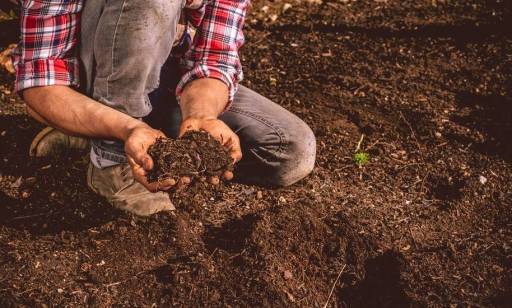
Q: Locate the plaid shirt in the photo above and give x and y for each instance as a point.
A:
(47, 52)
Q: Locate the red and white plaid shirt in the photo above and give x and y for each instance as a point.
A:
(47, 52)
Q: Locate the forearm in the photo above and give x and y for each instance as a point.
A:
(204, 98)
(74, 113)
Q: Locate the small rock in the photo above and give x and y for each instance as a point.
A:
(3, 133)
(291, 298)
(438, 134)
(273, 17)
(60, 290)
(259, 194)
(406, 248)
(282, 199)
(101, 263)
(287, 275)
(85, 267)
(248, 191)
(46, 167)
(482, 179)
(273, 81)
(286, 7)
(17, 183)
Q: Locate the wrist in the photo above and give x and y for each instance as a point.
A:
(130, 128)
(204, 98)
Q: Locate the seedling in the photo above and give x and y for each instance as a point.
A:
(361, 158)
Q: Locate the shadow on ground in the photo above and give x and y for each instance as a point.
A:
(491, 117)
(382, 285)
(44, 196)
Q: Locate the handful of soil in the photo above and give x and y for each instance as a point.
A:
(196, 154)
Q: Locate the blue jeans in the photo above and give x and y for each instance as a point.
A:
(125, 51)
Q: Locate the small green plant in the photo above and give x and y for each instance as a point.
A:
(361, 158)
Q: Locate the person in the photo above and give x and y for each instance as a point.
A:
(124, 72)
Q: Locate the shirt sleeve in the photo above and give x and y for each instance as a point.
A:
(46, 54)
(214, 52)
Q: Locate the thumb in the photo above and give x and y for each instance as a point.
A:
(143, 159)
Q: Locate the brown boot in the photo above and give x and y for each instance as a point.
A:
(117, 184)
(50, 142)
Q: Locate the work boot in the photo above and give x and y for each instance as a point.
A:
(117, 184)
(51, 141)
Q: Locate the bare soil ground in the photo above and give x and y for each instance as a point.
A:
(427, 222)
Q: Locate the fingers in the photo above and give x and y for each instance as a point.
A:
(233, 143)
(139, 174)
(214, 180)
(166, 184)
(227, 175)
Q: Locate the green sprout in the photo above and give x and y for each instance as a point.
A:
(361, 158)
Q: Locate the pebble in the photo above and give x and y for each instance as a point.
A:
(17, 183)
(406, 248)
(259, 194)
(286, 7)
(287, 275)
(438, 134)
(482, 179)
(85, 267)
(282, 199)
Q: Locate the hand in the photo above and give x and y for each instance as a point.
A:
(220, 131)
(136, 147)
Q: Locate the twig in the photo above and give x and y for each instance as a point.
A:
(125, 280)
(29, 216)
(359, 143)
(334, 285)
(412, 130)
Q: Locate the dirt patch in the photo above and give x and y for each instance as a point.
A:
(253, 259)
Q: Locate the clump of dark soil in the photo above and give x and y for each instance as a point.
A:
(196, 154)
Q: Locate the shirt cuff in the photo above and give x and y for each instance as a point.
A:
(46, 72)
(205, 71)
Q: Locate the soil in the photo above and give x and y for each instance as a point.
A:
(426, 222)
(195, 155)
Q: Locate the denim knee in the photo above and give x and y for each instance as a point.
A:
(298, 157)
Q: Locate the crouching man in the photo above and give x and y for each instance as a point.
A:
(124, 72)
